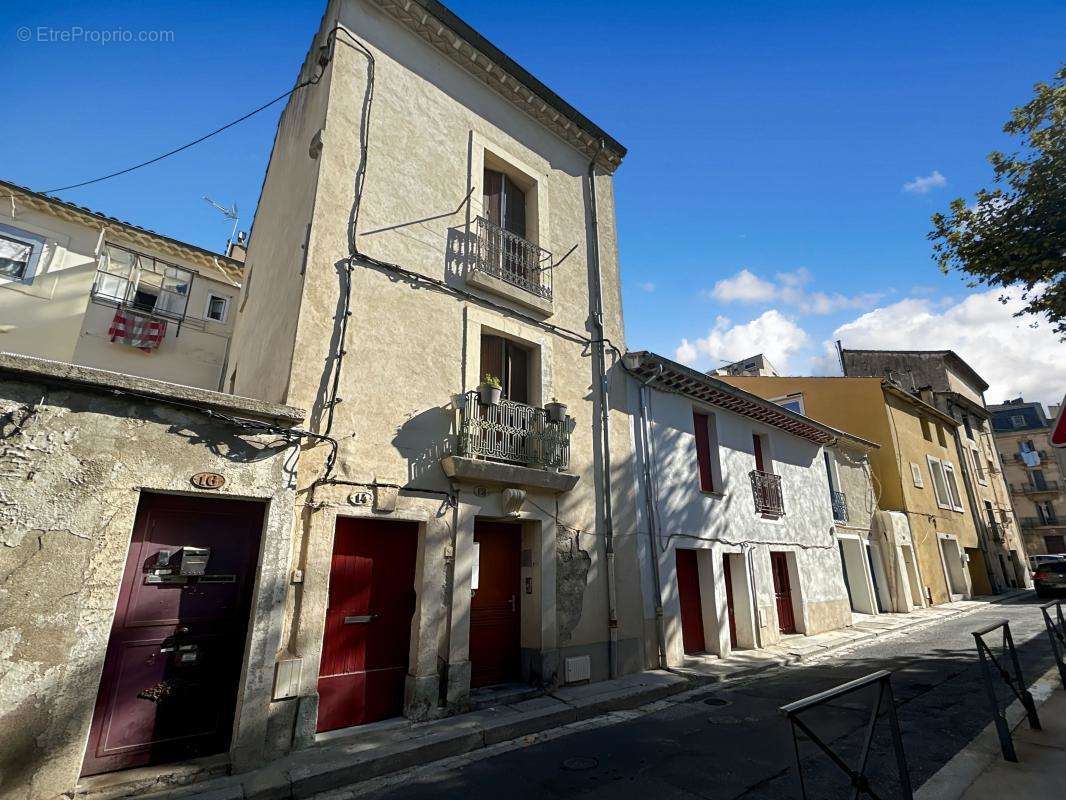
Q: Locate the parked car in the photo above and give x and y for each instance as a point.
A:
(1043, 558)
(1050, 578)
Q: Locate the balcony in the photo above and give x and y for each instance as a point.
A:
(1036, 487)
(840, 505)
(1041, 453)
(508, 265)
(1038, 522)
(766, 489)
(511, 444)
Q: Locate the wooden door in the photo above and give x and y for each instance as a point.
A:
(786, 620)
(495, 621)
(688, 593)
(729, 600)
(367, 641)
(172, 667)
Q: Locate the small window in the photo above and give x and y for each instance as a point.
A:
(926, 432)
(978, 468)
(793, 402)
(966, 425)
(916, 476)
(19, 254)
(217, 306)
(1018, 421)
(706, 433)
(940, 482)
(940, 436)
(953, 486)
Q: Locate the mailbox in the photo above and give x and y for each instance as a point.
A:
(190, 560)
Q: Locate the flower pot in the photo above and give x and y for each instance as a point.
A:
(556, 411)
(489, 394)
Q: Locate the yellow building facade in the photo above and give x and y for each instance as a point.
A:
(917, 470)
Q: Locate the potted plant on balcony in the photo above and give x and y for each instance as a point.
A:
(490, 390)
(556, 410)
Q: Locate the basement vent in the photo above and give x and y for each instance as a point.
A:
(577, 669)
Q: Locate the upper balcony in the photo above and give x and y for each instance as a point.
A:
(513, 444)
(1036, 487)
(509, 265)
(1038, 522)
(840, 505)
(766, 490)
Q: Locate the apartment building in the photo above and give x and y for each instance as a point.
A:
(1034, 471)
(945, 380)
(80, 287)
(755, 519)
(444, 298)
(917, 470)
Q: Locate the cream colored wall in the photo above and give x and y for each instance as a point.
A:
(54, 316)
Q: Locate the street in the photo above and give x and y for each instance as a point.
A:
(741, 748)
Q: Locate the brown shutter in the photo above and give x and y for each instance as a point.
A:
(493, 195)
(491, 357)
(701, 424)
(757, 444)
(517, 373)
(514, 208)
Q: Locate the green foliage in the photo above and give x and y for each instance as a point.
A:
(491, 380)
(1014, 235)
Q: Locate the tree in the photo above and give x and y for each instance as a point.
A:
(1015, 234)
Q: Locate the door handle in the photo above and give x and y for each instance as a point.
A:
(360, 619)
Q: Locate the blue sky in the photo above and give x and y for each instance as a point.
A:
(771, 138)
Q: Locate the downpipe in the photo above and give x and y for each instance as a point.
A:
(653, 521)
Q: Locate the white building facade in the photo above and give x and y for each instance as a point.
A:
(740, 543)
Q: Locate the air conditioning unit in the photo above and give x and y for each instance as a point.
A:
(577, 669)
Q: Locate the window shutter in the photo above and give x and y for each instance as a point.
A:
(491, 357)
(756, 441)
(493, 195)
(703, 450)
(517, 373)
(514, 210)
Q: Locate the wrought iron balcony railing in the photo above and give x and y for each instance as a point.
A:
(1037, 487)
(513, 433)
(512, 259)
(840, 505)
(1038, 522)
(766, 489)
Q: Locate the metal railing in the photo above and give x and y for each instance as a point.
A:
(766, 489)
(858, 775)
(514, 433)
(840, 505)
(1041, 453)
(1013, 679)
(1037, 522)
(1035, 488)
(512, 259)
(995, 531)
(1056, 631)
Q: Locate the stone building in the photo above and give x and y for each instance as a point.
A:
(433, 214)
(755, 519)
(916, 470)
(81, 287)
(942, 378)
(1034, 471)
(145, 544)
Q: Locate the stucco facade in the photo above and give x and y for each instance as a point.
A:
(913, 467)
(390, 380)
(78, 453)
(57, 306)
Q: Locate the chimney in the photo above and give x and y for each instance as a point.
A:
(239, 249)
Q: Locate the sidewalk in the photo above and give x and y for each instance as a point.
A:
(979, 771)
(380, 749)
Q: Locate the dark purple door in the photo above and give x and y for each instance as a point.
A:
(173, 662)
(366, 647)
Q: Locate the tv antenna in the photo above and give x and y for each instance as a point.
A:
(228, 213)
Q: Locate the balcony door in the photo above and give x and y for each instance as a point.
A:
(504, 203)
(509, 362)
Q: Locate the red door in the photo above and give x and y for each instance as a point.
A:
(729, 600)
(367, 642)
(173, 662)
(688, 592)
(495, 624)
(783, 593)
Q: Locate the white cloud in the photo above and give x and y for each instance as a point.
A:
(788, 288)
(925, 184)
(646, 286)
(1014, 357)
(771, 333)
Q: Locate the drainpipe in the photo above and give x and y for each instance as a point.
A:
(978, 517)
(653, 523)
(599, 357)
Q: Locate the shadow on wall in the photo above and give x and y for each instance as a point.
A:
(423, 440)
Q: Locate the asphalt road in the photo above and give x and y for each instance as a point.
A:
(742, 748)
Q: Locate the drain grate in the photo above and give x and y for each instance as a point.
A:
(716, 701)
(579, 763)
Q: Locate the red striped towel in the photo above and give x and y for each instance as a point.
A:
(136, 330)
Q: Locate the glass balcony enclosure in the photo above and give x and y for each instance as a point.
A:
(142, 283)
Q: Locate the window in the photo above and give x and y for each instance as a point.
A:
(940, 435)
(978, 468)
(940, 482)
(20, 253)
(1045, 511)
(509, 363)
(953, 486)
(217, 305)
(916, 476)
(1055, 544)
(926, 432)
(706, 432)
(142, 282)
(966, 425)
(1018, 421)
(793, 402)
